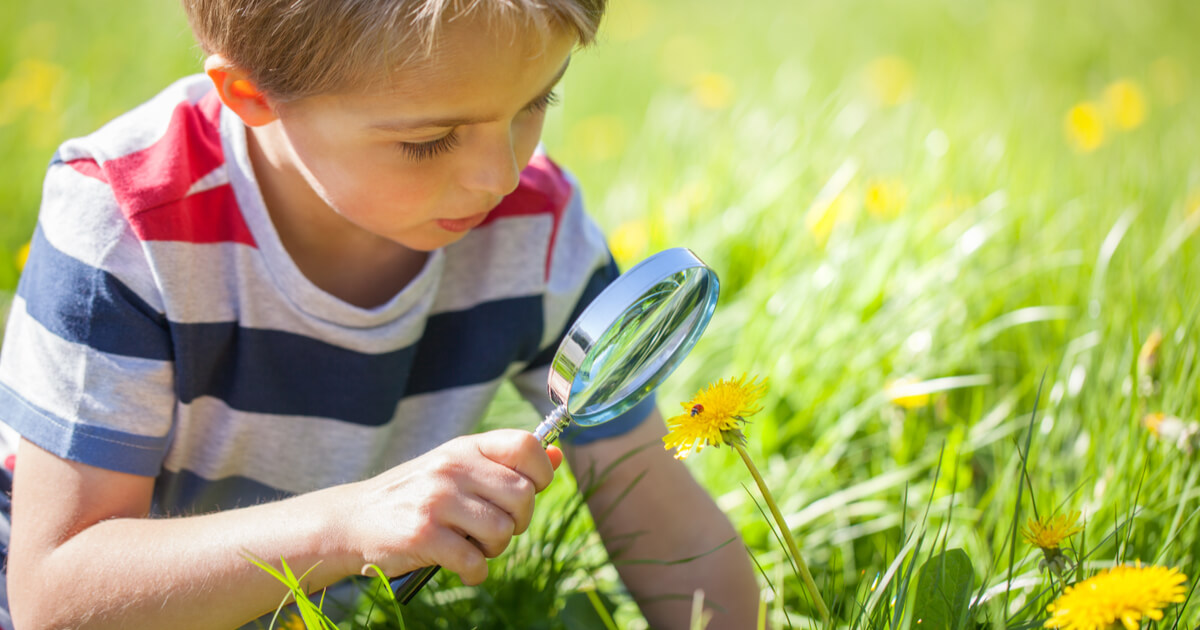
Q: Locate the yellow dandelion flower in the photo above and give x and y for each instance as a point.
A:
(886, 197)
(1148, 355)
(1121, 595)
(713, 90)
(890, 80)
(1050, 532)
(602, 137)
(906, 392)
(1126, 104)
(822, 219)
(292, 622)
(714, 416)
(1084, 127)
(629, 241)
(22, 257)
(1183, 434)
(1153, 422)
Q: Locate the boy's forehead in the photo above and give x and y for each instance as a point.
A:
(471, 75)
(473, 52)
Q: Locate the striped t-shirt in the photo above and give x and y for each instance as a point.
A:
(161, 329)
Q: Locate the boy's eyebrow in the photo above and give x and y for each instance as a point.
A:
(423, 123)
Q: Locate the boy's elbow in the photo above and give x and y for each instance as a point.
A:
(35, 602)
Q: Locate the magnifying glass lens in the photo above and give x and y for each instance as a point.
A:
(641, 348)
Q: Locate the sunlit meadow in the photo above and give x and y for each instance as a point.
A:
(958, 238)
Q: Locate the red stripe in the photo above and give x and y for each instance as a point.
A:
(210, 216)
(543, 189)
(151, 185)
(89, 167)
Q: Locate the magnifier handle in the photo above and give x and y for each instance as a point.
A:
(555, 422)
(406, 586)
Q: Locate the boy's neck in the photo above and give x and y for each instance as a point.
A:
(339, 257)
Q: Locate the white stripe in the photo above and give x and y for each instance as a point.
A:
(496, 261)
(99, 237)
(219, 176)
(82, 385)
(226, 282)
(579, 250)
(303, 453)
(138, 128)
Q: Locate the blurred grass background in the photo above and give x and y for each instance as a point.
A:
(978, 200)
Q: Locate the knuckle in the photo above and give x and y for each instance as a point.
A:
(424, 532)
(472, 566)
(524, 486)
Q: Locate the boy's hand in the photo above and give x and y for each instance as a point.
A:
(455, 506)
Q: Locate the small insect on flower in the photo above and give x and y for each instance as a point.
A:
(714, 416)
(1121, 595)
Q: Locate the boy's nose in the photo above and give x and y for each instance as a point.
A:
(495, 170)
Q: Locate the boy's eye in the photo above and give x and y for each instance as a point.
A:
(543, 103)
(418, 151)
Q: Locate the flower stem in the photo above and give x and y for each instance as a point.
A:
(786, 533)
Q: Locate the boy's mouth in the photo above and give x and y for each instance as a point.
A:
(464, 224)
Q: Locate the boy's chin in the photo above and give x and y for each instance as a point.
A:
(431, 240)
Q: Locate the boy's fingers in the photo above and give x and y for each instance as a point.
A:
(556, 456)
(520, 451)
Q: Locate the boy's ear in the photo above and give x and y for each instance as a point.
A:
(238, 92)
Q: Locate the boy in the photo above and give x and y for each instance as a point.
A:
(259, 308)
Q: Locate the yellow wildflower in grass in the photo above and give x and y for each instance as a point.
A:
(905, 392)
(1125, 103)
(33, 84)
(822, 219)
(600, 138)
(22, 257)
(886, 198)
(713, 90)
(890, 80)
(629, 241)
(1050, 532)
(1121, 595)
(1173, 430)
(1084, 127)
(291, 621)
(1047, 534)
(714, 416)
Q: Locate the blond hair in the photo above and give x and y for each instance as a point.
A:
(297, 48)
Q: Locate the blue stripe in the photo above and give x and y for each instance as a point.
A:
(92, 445)
(576, 435)
(601, 278)
(173, 491)
(89, 306)
(276, 372)
(283, 373)
(476, 345)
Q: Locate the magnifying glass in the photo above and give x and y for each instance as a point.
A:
(623, 346)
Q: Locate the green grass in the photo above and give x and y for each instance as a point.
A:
(1015, 262)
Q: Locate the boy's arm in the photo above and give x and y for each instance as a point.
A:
(83, 553)
(671, 517)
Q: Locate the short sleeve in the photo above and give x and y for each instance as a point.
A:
(581, 268)
(86, 363)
